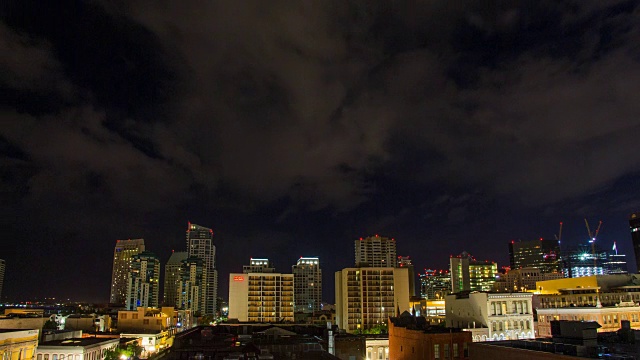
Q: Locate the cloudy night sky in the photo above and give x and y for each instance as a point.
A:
(293, 128)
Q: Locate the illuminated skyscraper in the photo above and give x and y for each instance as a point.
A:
(469, 274)
(122, 255)
(143, 281)
(375, 251)
(2, 266)
(541, 254)
(200, 245)
(172, 278)
(634, 227)
(307, 282)
(190, 288)
(435, 284)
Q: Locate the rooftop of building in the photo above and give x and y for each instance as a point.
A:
(77, 342)
(3, 331)
(466, 294)
(408, 321)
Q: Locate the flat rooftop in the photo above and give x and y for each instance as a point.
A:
(77, 342)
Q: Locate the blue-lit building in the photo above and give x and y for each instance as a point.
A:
(583, 260)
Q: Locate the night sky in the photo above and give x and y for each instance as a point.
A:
(294, 127)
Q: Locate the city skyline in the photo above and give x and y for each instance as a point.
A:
(294, 129)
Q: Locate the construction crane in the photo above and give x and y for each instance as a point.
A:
(592, 239)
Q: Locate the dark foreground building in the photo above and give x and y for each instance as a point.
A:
(411, 337)
(250, 341)
(634, 227)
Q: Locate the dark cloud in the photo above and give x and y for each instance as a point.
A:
(278, 119)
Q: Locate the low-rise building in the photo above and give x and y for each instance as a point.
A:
(145, 320)
(377, 346)
(432, 310)
(22, 322)
(75, 349)
(504, 315)
(606, 299)
(410, 337)
(151, 342)
(18, 344)
(82, 322)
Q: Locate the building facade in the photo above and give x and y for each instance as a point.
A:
(543, 254)
(200, 244)
(435, 284)
(172, 278)
(634, 228)
(607, 299)
(191, 285)
(433, 311)
(261, 297)
(143, 281)
(523, 279)
(75, 349)
(584, 260)
(411, 339)
(405, 261)
(469, 274)
(122, 256)
(506, 316)
(258, 266)
(367, 297)
(307, 284)
(2, 270)
(18, 344)
(146, 320)
(375, 251)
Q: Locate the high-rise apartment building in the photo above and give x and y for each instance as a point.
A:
(435, 284)
(2, 270)
(634, 227)
(172, 277)
(307, 284)
(366, 297)
(375, 251)
(469, 274)
(122, 255)
(200, 244)
(258, 266)
(191, 285)
(405, 262)
(143, 281)
(261, 297)
(543, 254)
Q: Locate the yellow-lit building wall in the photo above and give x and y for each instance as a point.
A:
(553, 286)
(18, 345)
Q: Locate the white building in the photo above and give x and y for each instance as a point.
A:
(505, 316)
(261, 297)
(368, 296)
(75, 349)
